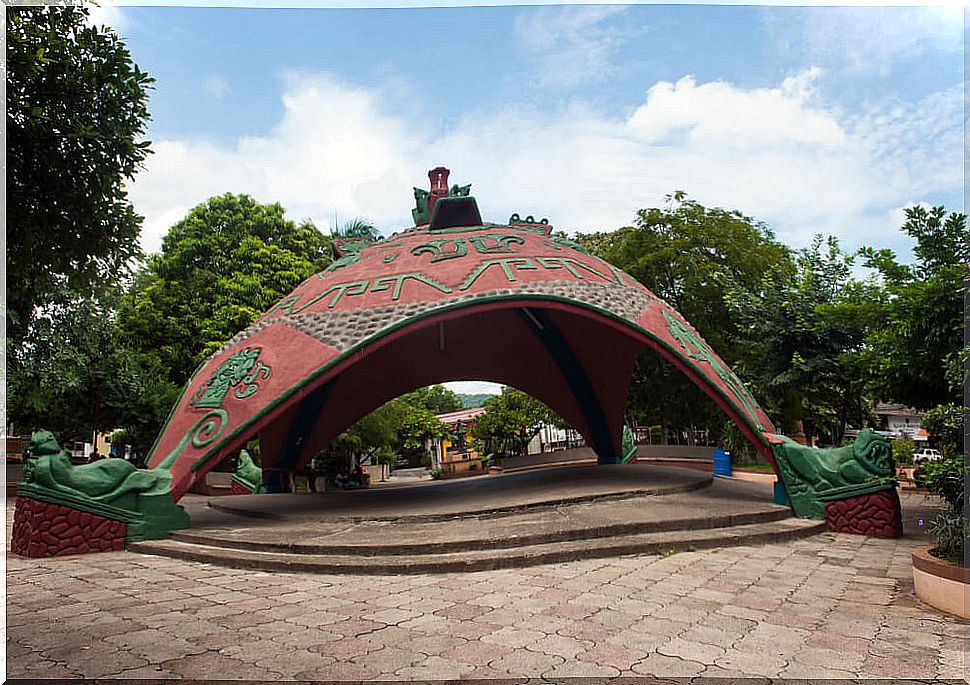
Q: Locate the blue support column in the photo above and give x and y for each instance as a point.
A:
(306, 418)
(557, 346)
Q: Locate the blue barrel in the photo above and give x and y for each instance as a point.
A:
(781, 494)
(722, 463)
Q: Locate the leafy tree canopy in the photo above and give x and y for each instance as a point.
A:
(437, 399)
(357, 228)
(72, 366)
(76, 114)
(228, 261)
(690, 255)
(510, 421)
(802, 339)
(916, 355)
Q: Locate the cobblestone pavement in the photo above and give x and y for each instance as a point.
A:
(831, 606)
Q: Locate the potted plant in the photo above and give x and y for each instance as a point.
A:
(940, 575)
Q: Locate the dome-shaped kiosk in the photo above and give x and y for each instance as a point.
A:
(452, 298)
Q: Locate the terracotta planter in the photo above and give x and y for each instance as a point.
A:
(941, 584)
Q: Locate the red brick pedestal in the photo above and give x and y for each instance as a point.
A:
(41, 529)
(877, 514)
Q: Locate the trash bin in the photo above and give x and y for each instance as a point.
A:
(781, 494)
(722, 463)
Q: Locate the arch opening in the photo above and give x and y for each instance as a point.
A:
(576, 361)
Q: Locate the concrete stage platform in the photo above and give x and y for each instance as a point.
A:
(487, 522)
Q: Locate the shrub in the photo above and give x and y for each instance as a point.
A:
(944, 423)
(949, 529)
(436, 473)
(903, 451)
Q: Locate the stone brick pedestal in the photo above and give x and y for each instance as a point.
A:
(877, 514)
(42, 529)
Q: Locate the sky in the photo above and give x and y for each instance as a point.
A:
(810, 119)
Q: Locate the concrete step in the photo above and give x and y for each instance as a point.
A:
(488, 537)
(442, 508)
(486, 559)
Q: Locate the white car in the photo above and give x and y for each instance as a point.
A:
(925, 454)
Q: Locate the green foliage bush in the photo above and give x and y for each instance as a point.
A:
(949, 529)
(436, 473)
(945, 423)
(903, 451)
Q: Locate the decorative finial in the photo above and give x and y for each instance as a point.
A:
(439, 186)
(425, 201)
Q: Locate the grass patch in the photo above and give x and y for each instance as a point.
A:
(755, 467)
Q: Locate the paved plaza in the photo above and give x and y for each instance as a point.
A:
(830, 606)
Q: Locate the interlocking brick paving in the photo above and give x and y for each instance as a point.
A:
(830, 606)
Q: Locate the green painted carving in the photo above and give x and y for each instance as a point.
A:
(555, 241)
(573, 266)
(516, 219)
(247, 474)
(420, 212)
(340, 263)
(460, 191)
(113, 488)
(203, 433)
(284, 306)
(437, 249)
(338, 290)
(385, 283)
(240, 368)
(814, 476)
(507, 264)
(351, 246)
(629, 448)
(503, 243)
(695, 348)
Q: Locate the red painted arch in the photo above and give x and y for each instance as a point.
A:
(427, 306)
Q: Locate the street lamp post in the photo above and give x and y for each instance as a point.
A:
(98, 376)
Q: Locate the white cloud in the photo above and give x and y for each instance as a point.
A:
(107, 13)
(861, 41)
(570, 45)
(216, 86)
(773, 153)
(474, 387)
(761, 118)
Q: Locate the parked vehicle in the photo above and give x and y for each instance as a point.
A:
(924, 454)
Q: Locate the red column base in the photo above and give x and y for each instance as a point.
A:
(41, 529)
(877, 514)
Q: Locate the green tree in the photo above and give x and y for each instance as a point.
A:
(510, 421)
(220, 268)
(72, 366)
(76, 116)
(803, 338)
(916, 354)
(357, 228)
(689, 255)
(373, 437)
(418, 425)
(944, 423)
(437, 399)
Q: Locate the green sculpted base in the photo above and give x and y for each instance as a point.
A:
(112, 488)
(814, 476)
